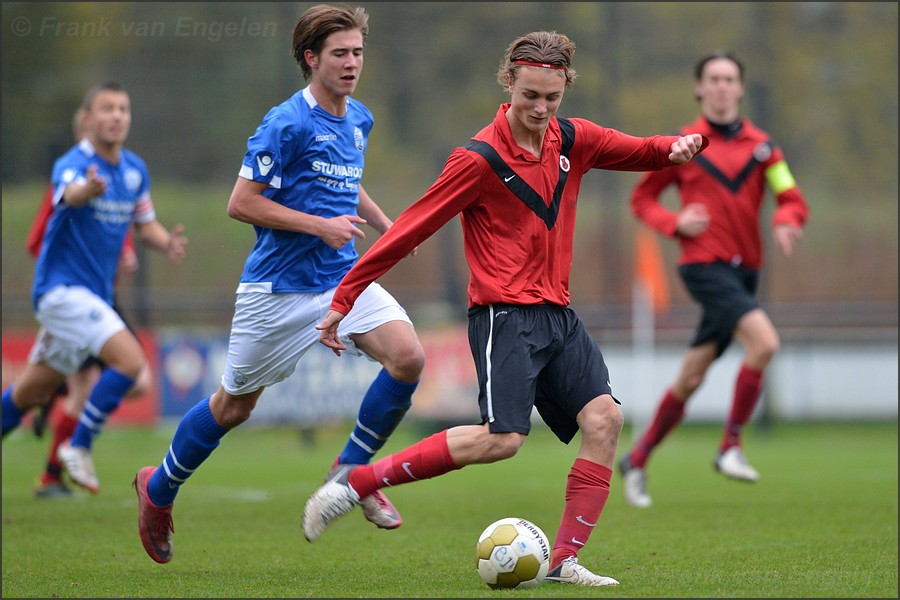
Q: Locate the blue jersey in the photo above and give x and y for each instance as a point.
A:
(312, 162)
(82, 244)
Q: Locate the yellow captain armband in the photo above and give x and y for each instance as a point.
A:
(779, 177)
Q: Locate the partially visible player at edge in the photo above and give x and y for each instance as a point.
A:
(718, 229)
(515, 187)
(300, 186)
(100, 189)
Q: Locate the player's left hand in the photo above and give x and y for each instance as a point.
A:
(328, 334)
(787, 236)
(687, 147)
(177, 241)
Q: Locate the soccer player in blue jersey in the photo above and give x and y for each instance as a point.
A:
(299, 186)
(100, 189)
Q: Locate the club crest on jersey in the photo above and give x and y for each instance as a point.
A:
(133, 180)
(358, 138)
(762, 152)
(564, 163)
(264, 162)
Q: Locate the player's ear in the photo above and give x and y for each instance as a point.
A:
(311, 59)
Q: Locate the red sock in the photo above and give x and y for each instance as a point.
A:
(65, 427)
(668, 416)
(423, 460)
(587, 489)
(746, 394)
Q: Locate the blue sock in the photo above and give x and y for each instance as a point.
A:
(382, 409)
(197, 436)
(12, 416)
(105, 398)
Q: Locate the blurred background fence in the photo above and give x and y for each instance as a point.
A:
(821, 78)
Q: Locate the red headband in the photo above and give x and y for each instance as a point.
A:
(537, 64)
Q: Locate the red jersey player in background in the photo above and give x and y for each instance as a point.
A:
(718, 228)
(515, 187)
(78, 386)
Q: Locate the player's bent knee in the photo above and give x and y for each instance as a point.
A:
(603, 418)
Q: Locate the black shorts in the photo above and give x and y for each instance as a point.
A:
(726, 294)
(534, 356)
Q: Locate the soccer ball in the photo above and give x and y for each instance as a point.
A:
(512, 553)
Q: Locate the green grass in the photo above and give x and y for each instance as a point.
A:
(821, 522)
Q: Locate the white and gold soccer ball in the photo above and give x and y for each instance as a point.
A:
(512, 553)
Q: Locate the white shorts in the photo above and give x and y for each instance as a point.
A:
(75, 324)
(270, 333)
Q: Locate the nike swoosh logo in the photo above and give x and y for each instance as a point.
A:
(163, 553)
(385, 480)
(576, 541)
(508, 179)
(408, 472)
(583, 522)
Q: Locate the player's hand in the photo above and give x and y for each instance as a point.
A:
(95, 185)
(78, 194)
(786, 236)
(692, 220)
(328, 332)
(337, 231)
(175, 251)
(687, 147)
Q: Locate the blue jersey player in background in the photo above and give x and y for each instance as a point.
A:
(100, 189)
(299, 186)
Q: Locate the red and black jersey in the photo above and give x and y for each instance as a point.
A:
(730, 178)
(518, 221)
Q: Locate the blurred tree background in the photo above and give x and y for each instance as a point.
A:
(821, 78)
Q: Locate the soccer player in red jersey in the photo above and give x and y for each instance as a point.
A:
(718, 228)
(515, 187)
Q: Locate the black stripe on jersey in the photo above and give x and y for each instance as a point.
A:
(519, 187)
(732, 184)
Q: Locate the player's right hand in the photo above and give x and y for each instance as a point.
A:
(693, 220)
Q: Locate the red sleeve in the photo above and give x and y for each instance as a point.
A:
(617, 151)
(792, 208)
(36, 234)
(645, 203)
(456, 187)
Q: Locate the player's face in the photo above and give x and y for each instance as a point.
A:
(108, 119)
(720, 88)
(535, 96)
(338, 66)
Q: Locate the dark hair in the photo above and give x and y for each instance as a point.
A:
(320, 21)
(106, 86)
(701, 64)
(543, 47)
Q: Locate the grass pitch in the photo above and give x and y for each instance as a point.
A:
(821, 522)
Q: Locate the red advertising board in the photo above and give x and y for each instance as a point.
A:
(143, 410)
